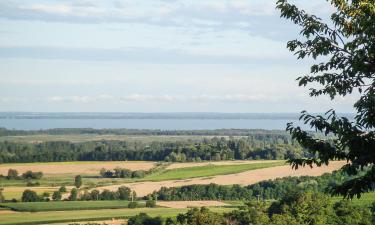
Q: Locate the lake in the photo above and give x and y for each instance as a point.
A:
(163, 124)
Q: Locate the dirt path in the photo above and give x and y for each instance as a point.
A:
(244, 178)
(187, 204)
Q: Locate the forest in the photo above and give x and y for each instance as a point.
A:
(256, 146)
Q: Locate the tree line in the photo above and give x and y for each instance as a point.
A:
(295, 208)
(215, 149)
(266, 190)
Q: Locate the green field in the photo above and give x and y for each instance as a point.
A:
(207, 171)
(88, 215)
(66, 205)
(366, 199)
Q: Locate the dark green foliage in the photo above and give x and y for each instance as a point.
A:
(56, 196)
(124, 193)
(30, 196)
(347, 213)
(32, 175)
(62, 189)
(144, 219)
(343, 50)
(73, 194)
(78, 181)
(270, 189)
(257, 146)
(151, 203)
(12, 174)
(2, 198)
(132, 205)
(202, 216)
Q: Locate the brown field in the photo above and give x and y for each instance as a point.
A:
(219, 163)
(89, 168)
(188, 204)
(244, 178)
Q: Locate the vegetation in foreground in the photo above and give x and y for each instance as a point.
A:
(296, 208)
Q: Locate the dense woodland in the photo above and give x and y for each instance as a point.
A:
(266, 190)
(255, 146)
(295, 208)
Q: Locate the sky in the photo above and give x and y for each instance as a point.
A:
(153, 56)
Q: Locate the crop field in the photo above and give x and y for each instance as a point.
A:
(74, 168)
(208, 171)
(88, 215)
(66, 205)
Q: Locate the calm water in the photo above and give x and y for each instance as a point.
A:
(163, 124)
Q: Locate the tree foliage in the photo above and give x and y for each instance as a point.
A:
(343, 51)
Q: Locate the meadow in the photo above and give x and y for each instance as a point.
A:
(66, 205)
(208, 171)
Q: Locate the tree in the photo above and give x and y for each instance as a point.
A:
(78, 181)
(12, 174)
(344, 64)
(62, 189)
(73, 194)
(124, 193)
(144, 219)
(2, 198)
(56, 196)
(29, 196)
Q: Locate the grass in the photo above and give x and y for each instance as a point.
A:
(207, 171)
(366, 199)
(66, 205)
(88, 215)
(16, 193)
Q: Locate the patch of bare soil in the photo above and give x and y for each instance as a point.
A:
(244, 178)
(75, 167)
(188, 204)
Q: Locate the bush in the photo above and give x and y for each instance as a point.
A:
(62, 189)
(144, 219)
(32, 184)
(132, 205)
(56, 196)
(12, 174)
(30, 196)
(138, 174)
(32, 175)
(150, 203)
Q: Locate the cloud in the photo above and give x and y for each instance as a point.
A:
(253, 16)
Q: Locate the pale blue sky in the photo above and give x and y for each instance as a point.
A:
(152, 56)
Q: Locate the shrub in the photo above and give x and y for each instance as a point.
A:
(144, 219)
(138, 174)
(56, 196)
(62, 189)
(12, 174)
(150, 203)
(32, 175)
(132, 205)
(30, 196)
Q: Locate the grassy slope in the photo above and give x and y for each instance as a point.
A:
(366, 199)
(207, 171)
(82, 215)
(65, 205)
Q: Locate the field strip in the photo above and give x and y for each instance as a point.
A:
(243, 178)
(188, 204)
(89, 215)
(217, 163)
(79, 167)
